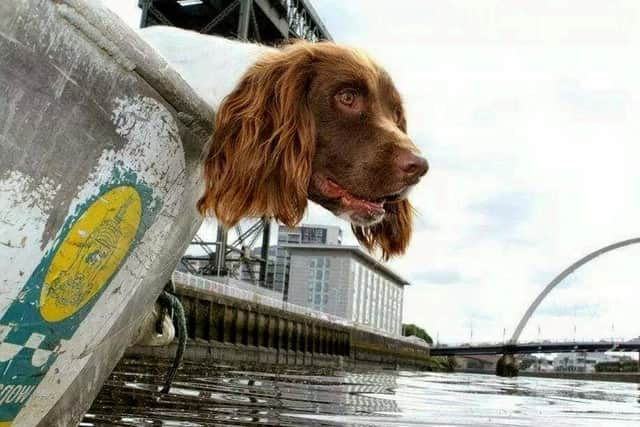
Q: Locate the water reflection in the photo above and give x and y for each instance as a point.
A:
(220, 395)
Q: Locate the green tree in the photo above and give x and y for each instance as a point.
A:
(411, 329)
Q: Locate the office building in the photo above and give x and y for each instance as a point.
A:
(310, 234)
(347, 282)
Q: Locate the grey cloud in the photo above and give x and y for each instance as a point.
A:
(501, 214)
(593, 102)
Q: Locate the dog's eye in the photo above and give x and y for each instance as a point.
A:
(347, 97)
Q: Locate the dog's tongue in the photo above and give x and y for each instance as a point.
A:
(332, 189)
(362, 205)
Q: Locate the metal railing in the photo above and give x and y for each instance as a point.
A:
(219, 288)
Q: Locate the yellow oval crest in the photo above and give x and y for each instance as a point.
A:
(91, 252)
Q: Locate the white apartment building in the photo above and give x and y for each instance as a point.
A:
(347, 282)
(583, 362)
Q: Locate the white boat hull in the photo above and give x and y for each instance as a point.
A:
(99, 175)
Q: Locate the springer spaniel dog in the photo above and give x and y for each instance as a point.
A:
(309, 121)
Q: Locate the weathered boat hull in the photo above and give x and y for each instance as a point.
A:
(99, 173)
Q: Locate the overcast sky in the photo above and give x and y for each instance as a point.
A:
(528, 112)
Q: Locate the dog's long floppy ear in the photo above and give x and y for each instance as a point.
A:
(392, 235)
(259, 161)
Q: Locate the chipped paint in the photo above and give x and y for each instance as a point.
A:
(24, 208)
(58, 311)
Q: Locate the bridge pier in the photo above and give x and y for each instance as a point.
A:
(506, 366)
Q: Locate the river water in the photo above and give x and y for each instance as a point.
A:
(222, 395)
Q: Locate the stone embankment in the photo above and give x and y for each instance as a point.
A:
(225, 329)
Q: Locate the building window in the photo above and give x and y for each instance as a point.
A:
(367, 296)
(389, 316)
(393, 310)
(378, 311)
(355, 279)
(293, 238)
(385, 304)
(398, 312)
(313, 235)
(374, 300)
(318, 290)
(361, 292)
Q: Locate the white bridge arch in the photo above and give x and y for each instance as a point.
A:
(560, 277)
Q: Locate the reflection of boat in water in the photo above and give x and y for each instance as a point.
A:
(99, 174)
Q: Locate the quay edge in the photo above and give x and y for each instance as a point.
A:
(224, 329)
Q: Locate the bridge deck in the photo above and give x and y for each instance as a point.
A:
(528, 348)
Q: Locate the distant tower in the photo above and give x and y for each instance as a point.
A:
(264, 21)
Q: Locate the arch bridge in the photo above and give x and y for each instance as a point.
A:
(513, 347)
(563, 275)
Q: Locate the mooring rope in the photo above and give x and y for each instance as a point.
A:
(171, 302)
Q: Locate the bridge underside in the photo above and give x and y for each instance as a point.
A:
(535, 348)
(264, 21)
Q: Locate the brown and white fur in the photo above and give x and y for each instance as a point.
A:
(319, 122)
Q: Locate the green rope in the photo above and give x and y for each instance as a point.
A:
(171, 302)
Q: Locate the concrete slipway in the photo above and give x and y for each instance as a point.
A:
(99, 173)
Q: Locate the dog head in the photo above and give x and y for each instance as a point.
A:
(316, 122)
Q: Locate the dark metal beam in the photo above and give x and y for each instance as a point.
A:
(243, 20)
(256, 28)
(144, 16)
(266, 234)
(277, 19)
(220, 17)
(222, 249)
(158, 15)
(240, 240)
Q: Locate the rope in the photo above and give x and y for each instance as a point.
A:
(168, 300)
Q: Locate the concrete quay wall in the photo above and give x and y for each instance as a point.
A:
(224, 329)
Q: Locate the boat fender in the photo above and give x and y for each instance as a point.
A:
(148, 334)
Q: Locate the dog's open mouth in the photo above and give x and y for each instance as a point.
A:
(370, 208)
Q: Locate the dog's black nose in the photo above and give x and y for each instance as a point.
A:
(411, 165)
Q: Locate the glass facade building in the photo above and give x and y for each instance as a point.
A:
(310, 267)
(345, 281)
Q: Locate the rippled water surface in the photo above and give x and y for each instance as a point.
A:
(219, 395)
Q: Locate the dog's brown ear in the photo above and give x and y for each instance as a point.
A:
(392, 235)
(259, 162)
